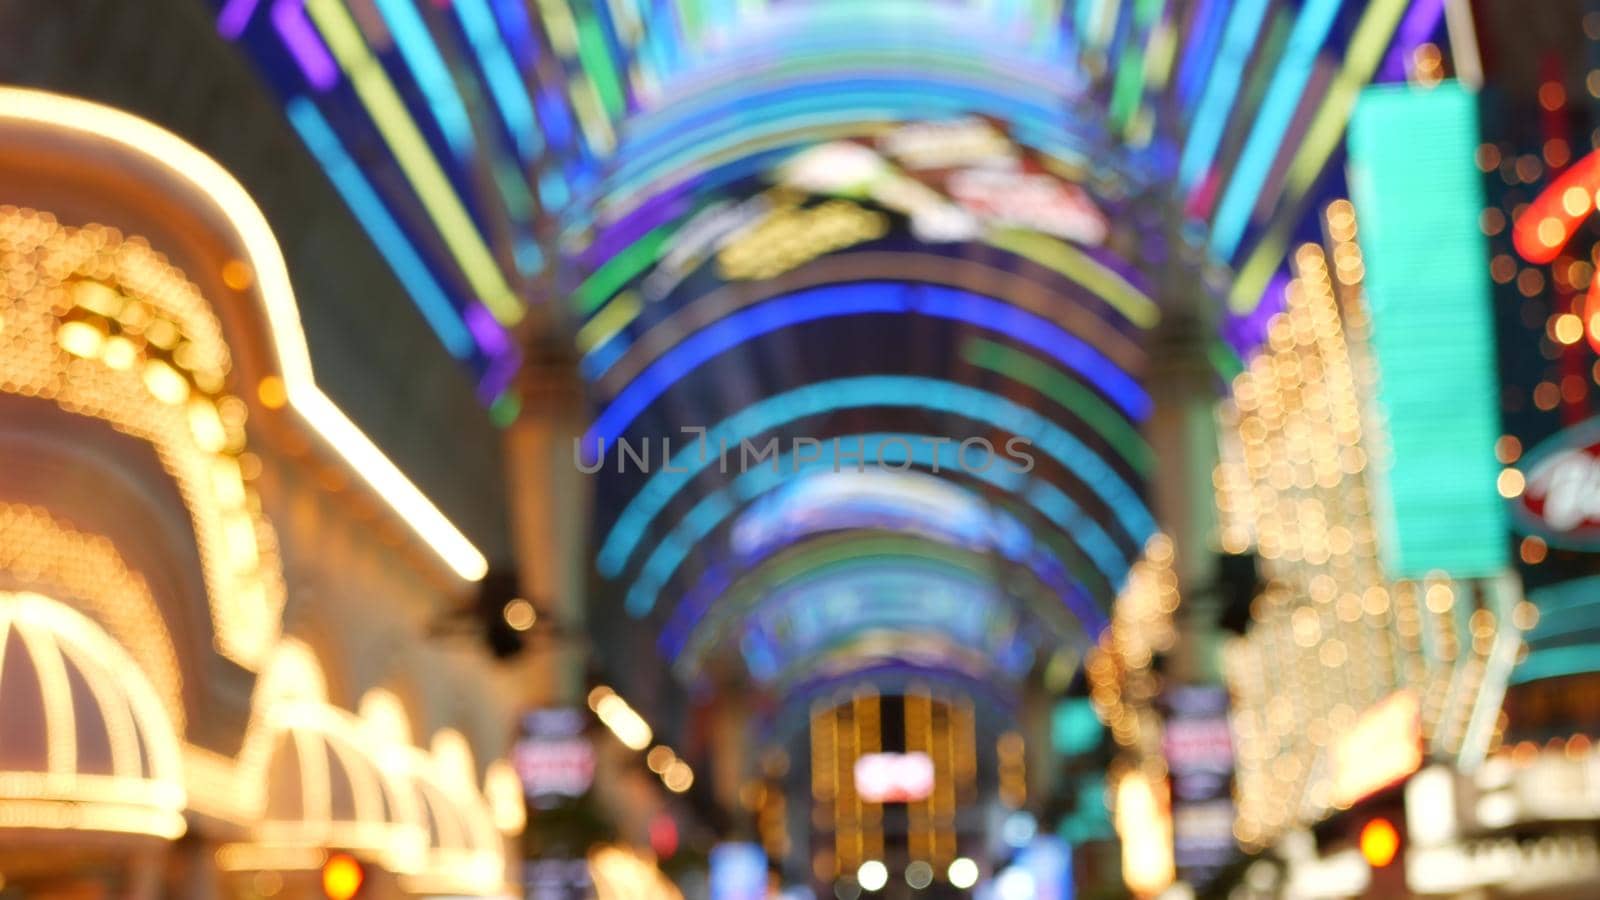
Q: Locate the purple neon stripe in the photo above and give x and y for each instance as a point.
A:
(289, 17)
(502, 370)
(487, 332)
(1247, 332)
(1421, 21)
(235, 16)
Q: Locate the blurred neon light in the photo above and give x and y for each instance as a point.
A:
(864, 298)
(867, 391)
(713, 509)
(190, 166)
(500, 72)
(438, 86)
(1068, 393)
(1277, 111)
(1551, 220)
(1076, 265)
(410, 149)
(1365, 49)
(381, 227)
(614, 712)
(289, 18)
(1211, 117)
(235, 15)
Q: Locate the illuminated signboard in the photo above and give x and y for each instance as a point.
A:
(894, 777)
(1383, 747)
(554, 759)
(1417, 195)
(1198, 746)
(1029, 200)
(1560, 499)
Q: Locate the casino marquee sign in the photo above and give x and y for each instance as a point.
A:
(1560, 501)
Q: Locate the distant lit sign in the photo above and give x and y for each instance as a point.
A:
(554, 759)
(1561, 497)
(1383, 747)
(1198, 746)
(1029, 200)
(894, 777)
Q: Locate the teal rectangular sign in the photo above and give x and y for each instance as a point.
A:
(1418, 197)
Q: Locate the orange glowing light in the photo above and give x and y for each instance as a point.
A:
(1380, 843)
(341, 877)
(1550, 221)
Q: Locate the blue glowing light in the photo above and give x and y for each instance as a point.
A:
(381, 227)
(865, 298)
(1266, 138)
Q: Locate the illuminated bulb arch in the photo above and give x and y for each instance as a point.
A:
(419, 813)
(932, 394)
(120, 775)
(166, 152)
(41, 553)
(105, 328)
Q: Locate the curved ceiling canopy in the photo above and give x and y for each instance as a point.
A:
(828, 231)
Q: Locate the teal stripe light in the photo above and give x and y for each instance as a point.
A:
(1211, 116)
(510, 94)
(1417, 196)
(385, 232)
(918, 392)
(431, 74)
(1266, 138)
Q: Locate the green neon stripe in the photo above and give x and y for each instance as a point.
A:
(1066, 391)
(619, 270)
(596, 60)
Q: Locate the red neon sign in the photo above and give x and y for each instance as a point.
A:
(1550, 221)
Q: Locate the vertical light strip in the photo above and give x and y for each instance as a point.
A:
(410, 149)
(385, 232)
(1266, 138)
(289, 18)
(1365, 49)
(1200, 46)
(1244, 24)
(428, 68)
(510, 93)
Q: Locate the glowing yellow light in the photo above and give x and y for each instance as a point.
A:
(1568, 328)
(963, 873)
(659, 758)
(119, 353)
(1380, 842)
(237, 274)
(80, 339)
(1511, 483)
(164, 382)
(190, 166)
(678, 777)
(519, 614)
(342, 876)
(271, 392)
(615, 713)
